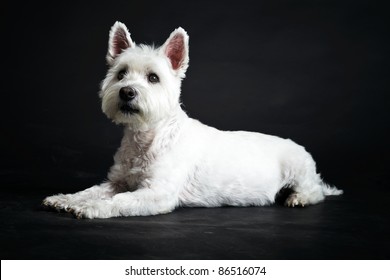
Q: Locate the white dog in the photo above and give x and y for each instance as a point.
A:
(167, 159)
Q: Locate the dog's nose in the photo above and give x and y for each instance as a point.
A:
(127, 93)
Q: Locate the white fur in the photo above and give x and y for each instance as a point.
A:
(167, 159)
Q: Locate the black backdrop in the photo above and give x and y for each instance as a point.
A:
(313, 71)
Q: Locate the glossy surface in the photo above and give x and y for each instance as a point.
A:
(352, 226)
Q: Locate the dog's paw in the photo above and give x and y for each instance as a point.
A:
(83, 212)
(90, 210)
(296, 199)
(58, 202)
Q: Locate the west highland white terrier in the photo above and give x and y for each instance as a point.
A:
(167, 159)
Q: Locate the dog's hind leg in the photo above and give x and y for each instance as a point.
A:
(307, 185)
(303, 195)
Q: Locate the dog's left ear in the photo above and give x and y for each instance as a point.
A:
(176, 49)
(118, 41)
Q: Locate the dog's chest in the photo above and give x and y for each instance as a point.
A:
(135, 158)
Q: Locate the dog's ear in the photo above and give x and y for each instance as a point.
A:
(118, 41)
(176, 49)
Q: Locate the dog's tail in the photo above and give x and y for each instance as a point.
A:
(330, 190)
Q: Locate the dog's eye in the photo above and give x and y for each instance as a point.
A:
(153, 78)
(122, 74)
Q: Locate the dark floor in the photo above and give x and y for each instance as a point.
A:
(352, 226)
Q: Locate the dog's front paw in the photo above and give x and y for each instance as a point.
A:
(58, 202)
(84, 212)
(91, 210)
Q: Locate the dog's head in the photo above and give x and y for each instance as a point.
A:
(142, 86)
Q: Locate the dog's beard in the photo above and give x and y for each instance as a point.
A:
(128, 108)
(131, 114)
(133, 118)
(118, 110)
(140, 113)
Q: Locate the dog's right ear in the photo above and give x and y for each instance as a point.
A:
(118, 41)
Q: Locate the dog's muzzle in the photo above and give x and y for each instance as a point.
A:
(127, 95)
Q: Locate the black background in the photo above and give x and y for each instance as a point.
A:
(312, 71)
